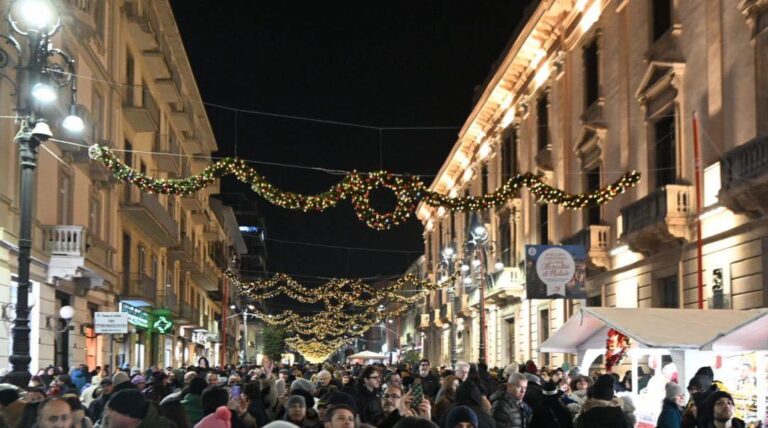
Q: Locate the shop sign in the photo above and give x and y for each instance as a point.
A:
(163, 324)
(110, 323)
(555, 271)
(136, 316)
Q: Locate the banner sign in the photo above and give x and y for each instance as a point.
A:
(110, 323)
(555, 271)
(136, 316)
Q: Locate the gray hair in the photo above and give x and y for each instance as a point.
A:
(515, 378)
(462, 364)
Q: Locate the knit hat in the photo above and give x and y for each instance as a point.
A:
(574, 373)
(513, 367)
(701, 382)
(280, 424)
(342, 399)
(603, 388)
(138, 379)
(673, 390)
(8, 396)
(294, 400)
(530, 367)
(119, 378)
(304, 384)
(309, 399)
(221, 418)
(532, 378)
(129, 402)
(461, 414)
(706, 371)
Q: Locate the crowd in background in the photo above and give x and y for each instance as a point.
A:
(353, 396)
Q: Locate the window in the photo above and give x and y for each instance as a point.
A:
(142, 260)
(591, 73)
(592, 183)
(64, 198)
(662, 18)
(97, 109)
(128, 154)
(130, 79)
(505, 239)
(484, 179)
(711, 184)
(595, 301)
(94, 215)
(542, 125)
(544, 333)
(543, 224)
(667, 293)
(509, 155)
(428, 248)
(666, 156)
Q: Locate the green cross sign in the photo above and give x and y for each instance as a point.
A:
(163, 325)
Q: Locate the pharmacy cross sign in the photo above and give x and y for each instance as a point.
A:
(163, 325)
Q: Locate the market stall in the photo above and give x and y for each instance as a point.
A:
(367, 357)
(672, 344)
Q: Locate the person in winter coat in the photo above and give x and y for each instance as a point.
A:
(718, 410)
(130, 408)
(551, 413)
(450, 385)
(368, 402)
(192, 402)
(509, 410)
(578, 395)
(469, 394)
(602, 409)
(671, 415)
(296, 412)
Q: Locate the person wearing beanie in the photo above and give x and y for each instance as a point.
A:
(461, 417)
(302, 384)
(130, 408)
(718, 411)
(671, 415)
(296, 412)
(221, 418)
(601, 409)
(699, 388)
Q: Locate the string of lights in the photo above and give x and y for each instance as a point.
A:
(358, 186)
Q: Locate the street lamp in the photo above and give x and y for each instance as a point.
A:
(448, 262)
(37, 77)
(244, 313)
(479, 243)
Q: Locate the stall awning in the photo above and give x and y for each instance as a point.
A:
(718, 330)
(367, 355)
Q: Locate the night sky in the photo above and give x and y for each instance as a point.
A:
(377, 64)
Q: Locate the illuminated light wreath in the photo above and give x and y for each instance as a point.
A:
(357, 186)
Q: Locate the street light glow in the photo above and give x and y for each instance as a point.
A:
(37, 14)
(233, 307)
(448, 252)
(467, 280)
(475, 262)
(465, 268)
(499, 266)
(251, 307)
(44, 92)
(73, 123)
(480, 230)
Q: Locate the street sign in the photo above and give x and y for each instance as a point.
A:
(111, 323)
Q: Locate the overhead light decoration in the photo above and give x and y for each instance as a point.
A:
(357, 187)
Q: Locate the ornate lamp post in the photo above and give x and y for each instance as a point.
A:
(448, 262)
(40, 69)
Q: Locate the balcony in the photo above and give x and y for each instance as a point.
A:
(166, 161)
(188, 316)
(182, 121)
(139, 289)
(156, 64)
(146, 213)
(170, 301)
(466, 307)
(744, 178)
(74, 253)
(509, 287)
(206, 323)
(659, 220)
(142, 115)
(205, 278)
(596, 240)
(138, 26)
(544, 159)
(446, 312)
(184, 252)
(192, 202)
(210, 233)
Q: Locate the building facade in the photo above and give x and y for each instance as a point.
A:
(104, 246)
(586, 91)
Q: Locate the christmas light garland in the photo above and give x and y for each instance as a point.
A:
(353, 292)
(316, 351)
(357, 186)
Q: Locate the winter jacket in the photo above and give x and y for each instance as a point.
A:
(671, 415)
(602, 414)
(550, 413)
(368, 405)
(154, 420)
(430, 384)
(508, 412)
(96, 409)
(577, 399)
(484, 420)
(193, 407)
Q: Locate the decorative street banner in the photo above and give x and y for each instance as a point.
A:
(555, 271)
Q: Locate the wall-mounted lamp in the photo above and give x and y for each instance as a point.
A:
(66, 313)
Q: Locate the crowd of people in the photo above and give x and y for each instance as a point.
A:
(333, 396)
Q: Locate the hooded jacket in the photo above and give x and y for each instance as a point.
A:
(597, 413)
(154, 420)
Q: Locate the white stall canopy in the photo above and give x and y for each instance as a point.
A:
(367, 355)
(710, 330)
